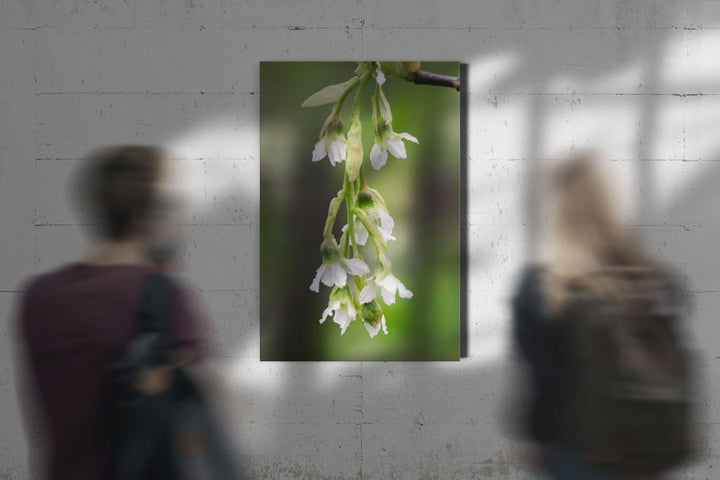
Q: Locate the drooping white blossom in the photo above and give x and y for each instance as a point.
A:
(386, 285)
(393, 143)
(373, 329)
(373, 318)
(341, 308)
(334, 148)
(335, 268)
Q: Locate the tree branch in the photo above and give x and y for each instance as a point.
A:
(422, 77)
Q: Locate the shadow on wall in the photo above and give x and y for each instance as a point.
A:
(429, 420)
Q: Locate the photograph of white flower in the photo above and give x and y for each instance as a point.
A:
(370, 237)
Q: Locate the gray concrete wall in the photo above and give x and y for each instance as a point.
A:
(638, 79)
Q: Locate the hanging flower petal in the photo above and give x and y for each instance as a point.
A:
(342, 318)
(320, 151)
(336, 275)
(367, 294)
(374, 329)
(389, 285)
(357, 266)
(407, 136)
(361, 233)
(386, 221)
(397, 148)
(329, 310)
(378, 157)
(315, 285)
(337, 151)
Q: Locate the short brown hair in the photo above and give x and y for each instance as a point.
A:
(117, 184)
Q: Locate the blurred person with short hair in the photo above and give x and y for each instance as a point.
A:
(77, 319)
(596, 323)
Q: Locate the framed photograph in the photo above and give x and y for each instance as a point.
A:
(360, 210)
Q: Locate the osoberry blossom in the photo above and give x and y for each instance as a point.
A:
(373, 318)
(372, 204)
(335, 268)
(387, 285)
(341, 308)
(335, 148)
(390, 142)
(361, 233)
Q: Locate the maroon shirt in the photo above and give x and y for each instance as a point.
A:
(73, 322)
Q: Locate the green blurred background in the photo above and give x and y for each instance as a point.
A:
(422, 194)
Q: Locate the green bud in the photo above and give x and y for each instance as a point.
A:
(341, 294)
(354, 149)
(329, 250)
(371, 312)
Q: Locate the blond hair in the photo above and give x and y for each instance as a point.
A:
(586, 236)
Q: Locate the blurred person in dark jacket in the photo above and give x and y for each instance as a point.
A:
(77, 319)
(586, 239)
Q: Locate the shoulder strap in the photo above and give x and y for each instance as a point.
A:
(156, 302)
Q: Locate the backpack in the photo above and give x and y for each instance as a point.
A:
(172, 435)
(628, 397)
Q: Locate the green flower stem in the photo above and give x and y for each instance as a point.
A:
(341, 100)
(373, 231)
(350, 206)
(364, 79)
(335, 112)
(332, 213)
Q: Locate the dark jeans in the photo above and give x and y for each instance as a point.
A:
(565, 464)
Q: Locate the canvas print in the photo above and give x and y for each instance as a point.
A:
(360, 210)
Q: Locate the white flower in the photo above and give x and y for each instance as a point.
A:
(361, 233)
(335, 149)
(341, 308)
(373, 318)
(386, 224)
(388, 285)
(335, 273)
(374, 329)
(392, 143)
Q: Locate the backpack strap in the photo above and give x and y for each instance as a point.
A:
(156, 302)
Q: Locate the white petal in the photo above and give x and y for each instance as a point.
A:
(319, 151)
(342, 318)
(388, 286)
(388, 295)
(367, 294)
(329, 310)
(361, 233)
(351, 310)
(386, 235)
(337, 275)
(315, 285)
(384, 326)
(378, 157)
(379, 75)
(337, 151)
(386, 221)
(371, 329)
(404, 292)
(357, 266)
(407, 136)
(397, 148)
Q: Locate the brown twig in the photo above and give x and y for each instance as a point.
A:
(422, 77)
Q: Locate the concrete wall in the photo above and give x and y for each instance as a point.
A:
(638, 79)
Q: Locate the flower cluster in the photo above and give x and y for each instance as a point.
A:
(356, 289)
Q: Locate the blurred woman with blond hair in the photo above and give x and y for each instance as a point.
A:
(587, 254)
